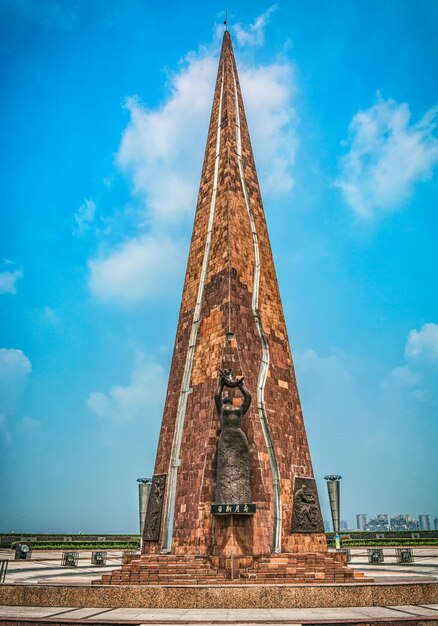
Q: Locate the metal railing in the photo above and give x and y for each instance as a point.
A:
(70, 559)
(404, 555)
(98, 557)
(375, 555)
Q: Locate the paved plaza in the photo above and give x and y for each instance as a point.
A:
(45, 567)
(427, 614)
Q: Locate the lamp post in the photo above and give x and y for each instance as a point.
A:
(333, 488)
(144, 488)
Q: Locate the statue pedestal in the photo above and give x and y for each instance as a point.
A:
(233, 534)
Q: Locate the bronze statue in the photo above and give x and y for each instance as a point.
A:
(232, 473)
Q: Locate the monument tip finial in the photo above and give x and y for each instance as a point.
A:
(226, 20)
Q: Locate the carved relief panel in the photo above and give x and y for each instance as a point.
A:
(152, 522)
(306, 514)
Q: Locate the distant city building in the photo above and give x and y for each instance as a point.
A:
(424, 522)
(435, 523)
(403, 522)
(327, 526)
(344, 524)
(378, 523)
(361, 520)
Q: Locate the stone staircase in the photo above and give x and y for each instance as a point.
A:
(313, 568)
(274, 569)
(164, 570)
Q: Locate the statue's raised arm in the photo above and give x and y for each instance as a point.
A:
(246, 397)
(226, 380)
(218, 394)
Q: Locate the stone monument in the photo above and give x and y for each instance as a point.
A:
(233, 495)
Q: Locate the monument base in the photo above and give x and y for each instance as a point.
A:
(286, 568)
(221, 596)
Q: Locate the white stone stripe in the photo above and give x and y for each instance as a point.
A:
(264, 366)
(166, 544)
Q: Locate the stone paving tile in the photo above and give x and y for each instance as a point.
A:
(416, 610)
(256, 614)
(205, 615)
(314, 613)
(340, 613)
(127, 614)
(33, 611)
(163, 614)
(378, 611)
(83, 613)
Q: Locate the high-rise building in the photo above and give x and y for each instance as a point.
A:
(344, 524)
(361, 520)
(232, 478)
(378, 523)
(403, 522)
(435, 523)
(328, 526)
(424, 522)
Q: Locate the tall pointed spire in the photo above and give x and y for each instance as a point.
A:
(231, 318)
(231, 314)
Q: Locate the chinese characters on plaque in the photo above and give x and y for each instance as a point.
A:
(233, 509)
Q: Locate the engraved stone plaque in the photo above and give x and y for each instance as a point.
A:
(152, 522)
(306, 514)
(233, 509)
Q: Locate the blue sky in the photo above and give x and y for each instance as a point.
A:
(104, 119)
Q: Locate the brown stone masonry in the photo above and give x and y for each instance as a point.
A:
(227, 308)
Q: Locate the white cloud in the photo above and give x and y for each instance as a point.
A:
(161, 153)
(142, 267)
(393, 417)
(268, 93)
(141, 398)
(15, 368)
(415, 379)
(51, 316)
(5, 435)
(329, 369)
(162, 149)
(84, 217)
(422, 345)
(403, 376)
(8, 279)
(30, 424)
(387, 155)
(328, 385)
(254, 34)
(13, 364)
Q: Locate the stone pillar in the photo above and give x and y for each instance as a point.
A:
(333, 487)
(144, 489)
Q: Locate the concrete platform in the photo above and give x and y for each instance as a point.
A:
(42, 582)
(220, 597)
